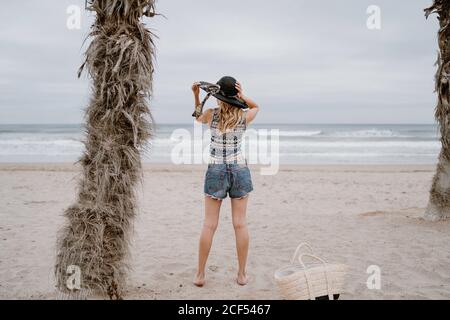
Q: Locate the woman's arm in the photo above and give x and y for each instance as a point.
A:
(254, 108)
(205, 117)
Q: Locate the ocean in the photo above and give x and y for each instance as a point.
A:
(289, 143)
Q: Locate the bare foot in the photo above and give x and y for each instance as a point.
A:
(199, 280)
(242, 279)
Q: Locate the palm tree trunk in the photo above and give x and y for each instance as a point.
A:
(439, 203)
(118, 124)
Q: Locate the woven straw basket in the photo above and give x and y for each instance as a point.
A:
(319, 280)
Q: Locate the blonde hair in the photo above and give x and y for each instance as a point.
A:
(229, 116)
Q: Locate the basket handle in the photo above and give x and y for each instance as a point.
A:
(329, 291)
(300, 259)
(296, 255)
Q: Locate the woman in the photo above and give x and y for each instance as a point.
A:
(227, 170)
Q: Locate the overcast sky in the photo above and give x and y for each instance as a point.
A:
(302, 61)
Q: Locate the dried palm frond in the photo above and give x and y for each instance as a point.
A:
(118, 125)
(442, 9)
(439, 206)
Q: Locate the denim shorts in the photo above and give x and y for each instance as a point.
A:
(232, 179)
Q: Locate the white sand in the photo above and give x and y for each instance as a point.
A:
(358, 215)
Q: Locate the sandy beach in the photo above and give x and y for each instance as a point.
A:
(357, 215)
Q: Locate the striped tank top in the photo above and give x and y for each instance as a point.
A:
(225, 148)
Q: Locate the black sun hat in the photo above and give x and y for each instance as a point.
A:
(225, 90)
(228, 92)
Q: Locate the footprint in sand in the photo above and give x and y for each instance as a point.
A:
(187, 272)
(213, 268)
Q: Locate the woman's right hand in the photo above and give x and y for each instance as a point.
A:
(196, 88)
(239, 89)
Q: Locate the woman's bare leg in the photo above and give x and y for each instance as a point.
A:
(239, 212)
(212, 210)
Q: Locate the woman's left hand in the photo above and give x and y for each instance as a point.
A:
(196, 88)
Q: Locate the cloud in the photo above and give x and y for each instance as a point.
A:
(303, 61)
